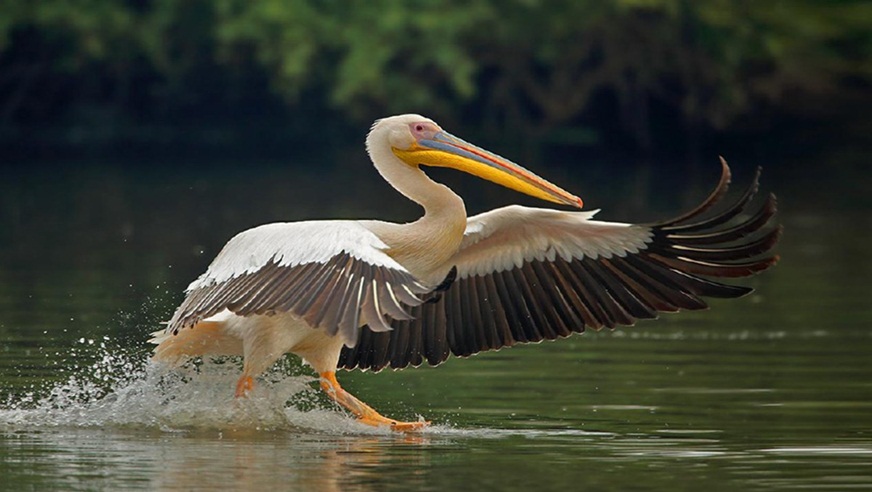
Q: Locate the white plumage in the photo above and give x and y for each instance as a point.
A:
(508, 237)
(294, 243)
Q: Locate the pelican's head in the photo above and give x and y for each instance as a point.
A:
(417, 140)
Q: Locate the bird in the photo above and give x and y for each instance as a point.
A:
(369, 294)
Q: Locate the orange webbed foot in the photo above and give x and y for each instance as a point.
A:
(364, 413)
(410, 426)
(377, 420)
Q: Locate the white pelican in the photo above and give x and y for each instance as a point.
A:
(369, 294)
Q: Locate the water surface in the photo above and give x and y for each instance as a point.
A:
(772, 391)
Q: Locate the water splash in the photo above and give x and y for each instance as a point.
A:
(125, 390)
(110, 387)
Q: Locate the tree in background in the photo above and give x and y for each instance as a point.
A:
(548, 70)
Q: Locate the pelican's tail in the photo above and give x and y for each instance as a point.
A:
(203, 339)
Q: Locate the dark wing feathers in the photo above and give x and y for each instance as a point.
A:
(553, 298)
(334, 295)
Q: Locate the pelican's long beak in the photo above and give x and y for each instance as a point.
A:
(446, 150)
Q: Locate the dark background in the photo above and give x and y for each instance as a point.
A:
(667, 80)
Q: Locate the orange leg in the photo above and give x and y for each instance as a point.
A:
(244, 386)
(366, 414)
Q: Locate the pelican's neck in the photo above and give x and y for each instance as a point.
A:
(423, 246)
(437, 199)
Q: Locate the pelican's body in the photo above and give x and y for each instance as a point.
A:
(368, 294)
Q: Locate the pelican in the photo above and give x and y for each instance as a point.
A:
(369, 294)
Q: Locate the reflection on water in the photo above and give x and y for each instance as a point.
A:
(72, 458)
(770, 391)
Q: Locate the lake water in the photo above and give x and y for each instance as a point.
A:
(772, 391)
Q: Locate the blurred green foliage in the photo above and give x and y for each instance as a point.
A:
(533, 67)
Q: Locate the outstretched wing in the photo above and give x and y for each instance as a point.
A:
(333, 274)
(525, 275)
